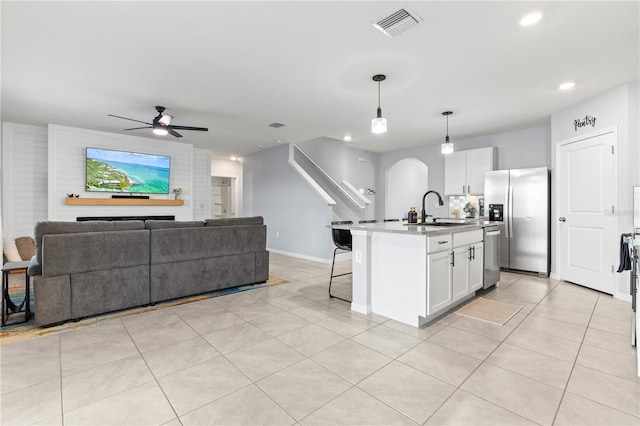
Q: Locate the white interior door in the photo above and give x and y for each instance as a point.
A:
(586, 211)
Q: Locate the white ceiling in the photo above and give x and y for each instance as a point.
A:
(236, 67)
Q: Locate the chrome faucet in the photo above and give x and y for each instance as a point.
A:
(424, 210)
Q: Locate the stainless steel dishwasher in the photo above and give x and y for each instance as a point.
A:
(491, 256)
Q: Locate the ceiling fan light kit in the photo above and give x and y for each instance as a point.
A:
(161, 124)
(446, 147)
(160, 130)
(379, 124)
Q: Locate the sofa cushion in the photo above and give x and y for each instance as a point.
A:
(179, 279)
(174, 245)
(96, 251)
(25, 247)
(165, 224)
(232, 221)
(55, 227)
(11, 253)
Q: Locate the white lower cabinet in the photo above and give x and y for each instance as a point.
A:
(467, 270)
(454, 273)
(476, 267)
(460, 272)
(438, 281)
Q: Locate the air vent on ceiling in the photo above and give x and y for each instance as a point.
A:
(396, 22)
(276, 125)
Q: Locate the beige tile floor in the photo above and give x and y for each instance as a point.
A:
(290, 355)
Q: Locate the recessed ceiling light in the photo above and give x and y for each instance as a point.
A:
(278, 140)
(347, 138)
(233, 158)
(531, 19)
(567, 85)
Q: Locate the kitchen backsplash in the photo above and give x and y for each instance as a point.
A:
(457, 205)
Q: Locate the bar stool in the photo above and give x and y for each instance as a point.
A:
(342, 241)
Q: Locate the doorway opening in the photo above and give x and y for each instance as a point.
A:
(405, 182)
(223, 197)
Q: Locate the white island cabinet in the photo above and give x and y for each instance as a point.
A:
(412, 274)
(439, 277)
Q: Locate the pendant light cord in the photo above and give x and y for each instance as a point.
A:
(447, 128)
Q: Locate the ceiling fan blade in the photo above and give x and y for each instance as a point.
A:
(174, 133)
(201, 129)
(136, 128)
(130, 119)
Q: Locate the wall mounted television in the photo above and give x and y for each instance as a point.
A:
(131, 172)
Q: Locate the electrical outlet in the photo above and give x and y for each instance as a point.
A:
(277, 234)
(358, 256)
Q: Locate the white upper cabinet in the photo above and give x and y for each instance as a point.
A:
(464, 171)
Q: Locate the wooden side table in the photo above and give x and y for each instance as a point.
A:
(8, 306)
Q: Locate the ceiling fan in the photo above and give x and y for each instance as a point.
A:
(161, 124)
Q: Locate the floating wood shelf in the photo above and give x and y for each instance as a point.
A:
(121, 202)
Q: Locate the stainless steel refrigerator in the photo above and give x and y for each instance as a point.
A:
(519, 200)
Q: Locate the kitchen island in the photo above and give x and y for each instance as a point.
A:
(413, 273)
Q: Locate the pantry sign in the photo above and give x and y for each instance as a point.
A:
(588, 120)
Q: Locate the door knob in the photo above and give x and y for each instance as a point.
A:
(562, 219)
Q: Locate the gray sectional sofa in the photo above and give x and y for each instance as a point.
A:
(88, 268)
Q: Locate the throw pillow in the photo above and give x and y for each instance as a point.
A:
(25, 247)
(11, 252)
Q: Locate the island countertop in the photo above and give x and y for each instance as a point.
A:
(418, 229)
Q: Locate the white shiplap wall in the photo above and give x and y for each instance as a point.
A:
(201, 184)
(24, 179)
(66, 163)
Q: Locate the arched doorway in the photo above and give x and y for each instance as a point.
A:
(405, 183)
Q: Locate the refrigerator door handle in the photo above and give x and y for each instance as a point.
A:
(510, 218)
(506, 211)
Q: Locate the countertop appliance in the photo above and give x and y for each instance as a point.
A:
(491, 274)
(519, 199)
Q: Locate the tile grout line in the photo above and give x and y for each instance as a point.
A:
(151, 371)
(573, 366)
(459, 387)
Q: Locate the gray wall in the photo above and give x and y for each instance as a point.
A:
(294, 210)
(290, 207)
(517, 149)
(617, 107)
(343, 162)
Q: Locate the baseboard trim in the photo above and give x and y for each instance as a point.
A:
(299, 255)
(363, 309)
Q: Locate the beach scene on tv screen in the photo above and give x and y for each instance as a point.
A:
(119, 171)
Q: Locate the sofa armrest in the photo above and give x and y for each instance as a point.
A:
(34, 267)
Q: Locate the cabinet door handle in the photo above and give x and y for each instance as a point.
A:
(474, 252)
(463, 189)
(453, 259)
(468, 189)
(470, 258)
(442, 242)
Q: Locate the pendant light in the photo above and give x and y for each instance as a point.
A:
(447, 147)
(379, 124)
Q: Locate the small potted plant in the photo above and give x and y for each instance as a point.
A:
(470, 210)
(177, 192)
